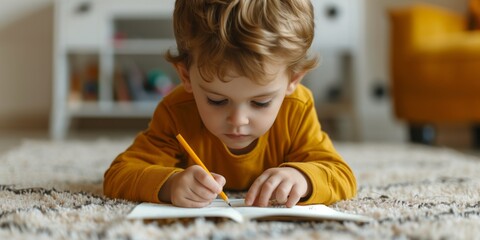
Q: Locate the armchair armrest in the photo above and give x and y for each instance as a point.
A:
(423, 24)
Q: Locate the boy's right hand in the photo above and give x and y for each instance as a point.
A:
(193, 187)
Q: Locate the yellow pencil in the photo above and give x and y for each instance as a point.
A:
(199, 162)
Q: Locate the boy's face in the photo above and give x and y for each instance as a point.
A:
(238, 111)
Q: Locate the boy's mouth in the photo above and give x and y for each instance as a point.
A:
(236, 136)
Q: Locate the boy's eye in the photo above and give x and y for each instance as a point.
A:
(217, 102)
(261, 104)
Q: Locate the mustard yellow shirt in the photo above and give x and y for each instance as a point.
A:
(294, 140)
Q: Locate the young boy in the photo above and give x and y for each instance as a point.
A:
(241, 108)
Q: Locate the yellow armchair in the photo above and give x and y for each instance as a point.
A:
(435, 66)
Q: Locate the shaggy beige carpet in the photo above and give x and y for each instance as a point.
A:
(53, 190)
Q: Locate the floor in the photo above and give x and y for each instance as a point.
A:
(11, 138)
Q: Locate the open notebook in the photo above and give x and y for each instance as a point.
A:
(239, 212)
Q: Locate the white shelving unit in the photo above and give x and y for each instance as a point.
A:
(109, 33)
(336, 42)
(94, 39)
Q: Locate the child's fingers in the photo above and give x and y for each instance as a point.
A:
(251, 194)
(196, 195)
(194, 187)
(254, 189)
(206, 180)
(263, 188)
(267, 190)
(186, 197)
(282, 192)
(294, 196)
(193, 203)
(219, 179)
(201, 193)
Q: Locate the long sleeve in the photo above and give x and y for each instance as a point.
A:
(139, 172)
(312, 152)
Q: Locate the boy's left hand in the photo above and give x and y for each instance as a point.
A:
(286, 185)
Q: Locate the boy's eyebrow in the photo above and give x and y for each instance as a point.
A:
(208, 90)
(268, 94)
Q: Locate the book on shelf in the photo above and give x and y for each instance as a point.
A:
(239, 212)
(120, 87)
(132, 83)
(84, 83)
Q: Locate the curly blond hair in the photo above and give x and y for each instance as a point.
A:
(219, 35)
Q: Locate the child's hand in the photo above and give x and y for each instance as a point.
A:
(193, 187)
(286, 185)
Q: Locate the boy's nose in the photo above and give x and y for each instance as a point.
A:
(238, 117)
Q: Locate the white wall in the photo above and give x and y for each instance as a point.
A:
(25, 63)
(14, 10)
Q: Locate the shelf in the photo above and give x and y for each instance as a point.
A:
(82, 50)
(107, 51)
(112, 109)
(143, 46)
(326, 110)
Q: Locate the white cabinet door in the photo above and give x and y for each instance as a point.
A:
(333, 24)
(80, 24)
(143, 8)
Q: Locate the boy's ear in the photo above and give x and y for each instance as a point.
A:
(297, 77)
(184, 75)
